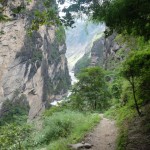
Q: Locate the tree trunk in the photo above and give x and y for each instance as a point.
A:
(95, 105)
(134, 96)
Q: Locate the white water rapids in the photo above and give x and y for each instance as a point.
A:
(73, 81)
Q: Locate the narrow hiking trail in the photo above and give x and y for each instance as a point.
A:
(104, 136)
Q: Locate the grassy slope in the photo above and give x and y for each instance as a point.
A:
(134, 131)
(62, 128)
(123, 116)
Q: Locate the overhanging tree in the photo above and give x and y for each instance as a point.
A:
(128, 16)
(136, 70)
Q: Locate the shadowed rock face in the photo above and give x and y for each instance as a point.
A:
(97, 51)
(34, 65)
(105, 52)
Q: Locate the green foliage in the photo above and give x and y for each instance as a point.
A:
(55, 127)
(18, 9)
(126, 93)
(125, 15)
(14, 111)
(82, 63)
(91, 92)
(137, 64)
(136, 71)
(48, 16)
(12, 136)
(62, 126)
(123, 116)
(54, 109)
(13, 128)
(37, 56)
(128, 16)
(3, 18)
(60, 35)
(116, 87)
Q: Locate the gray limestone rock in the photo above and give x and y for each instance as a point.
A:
(34, 65)
(78, 146)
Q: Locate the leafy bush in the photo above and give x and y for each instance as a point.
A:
(12, 136)
(136, 71)
(18, 9)
(14, 111)
(55, 127)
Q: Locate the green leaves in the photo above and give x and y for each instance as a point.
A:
(136, 71)
(12, 136)
(60, 35)
(46, 17)
(91, 92)
(63, 125)
(125, 16)
(137, 64)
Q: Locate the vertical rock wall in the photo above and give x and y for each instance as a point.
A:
(105, 52)
(35, 66)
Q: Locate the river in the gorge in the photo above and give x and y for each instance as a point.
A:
(73, 81)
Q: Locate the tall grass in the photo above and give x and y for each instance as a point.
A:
(123, 116)
(63, 128)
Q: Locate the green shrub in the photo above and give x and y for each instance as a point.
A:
(15, 111)
(12, 136)
(55, 127)
(60, 35)
(37, 56)
(19, 9)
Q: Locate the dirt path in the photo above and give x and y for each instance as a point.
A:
(104, 135)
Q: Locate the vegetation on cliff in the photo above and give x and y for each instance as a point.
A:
(124, 91)
(82, 63)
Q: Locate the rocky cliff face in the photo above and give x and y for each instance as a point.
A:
(108, 52)
(35, 66)
(105, 52)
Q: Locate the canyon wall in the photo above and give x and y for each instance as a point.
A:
(106, 52)
(33, 68)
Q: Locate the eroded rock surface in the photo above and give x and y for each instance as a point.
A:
(35, 65)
